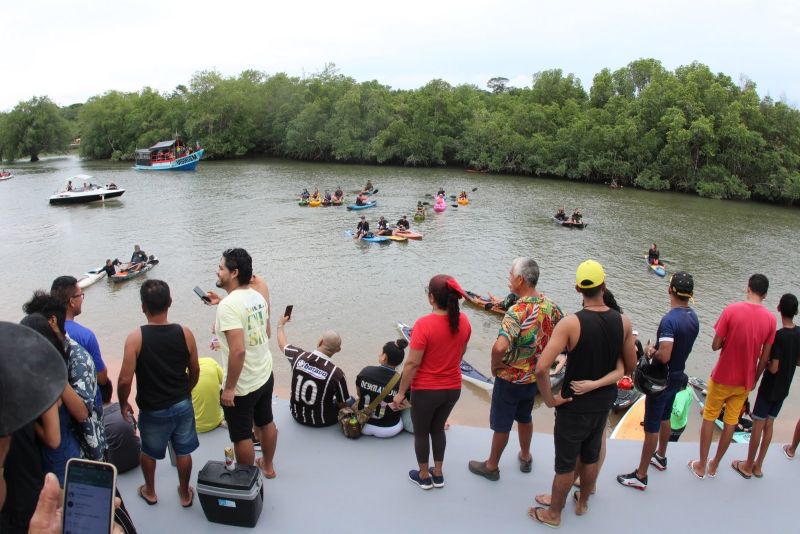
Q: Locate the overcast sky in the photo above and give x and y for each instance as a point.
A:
(71, 51)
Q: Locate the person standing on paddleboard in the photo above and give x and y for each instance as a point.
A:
(745, 332)
(524, 333)
(600, 346)
(674, 341)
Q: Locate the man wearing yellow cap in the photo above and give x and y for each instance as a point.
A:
(600, 348)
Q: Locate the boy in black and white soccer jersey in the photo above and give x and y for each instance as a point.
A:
(318, 386)
(385, 422)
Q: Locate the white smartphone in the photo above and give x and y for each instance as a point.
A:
(89, 489)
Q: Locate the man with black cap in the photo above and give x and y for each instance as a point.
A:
(674, 341)
(363, 228)
(599, 342)
(383, 226)
(29, 386)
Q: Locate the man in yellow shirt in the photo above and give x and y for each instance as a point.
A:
(205, 396)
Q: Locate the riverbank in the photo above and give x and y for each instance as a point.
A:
(327, 483)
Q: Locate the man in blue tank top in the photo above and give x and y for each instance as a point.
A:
(600, 348)
(675, 338)
(159, 353)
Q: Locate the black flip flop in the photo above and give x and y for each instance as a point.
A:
(145, 499)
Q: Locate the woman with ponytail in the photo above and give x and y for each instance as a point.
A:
(433, 373)
(385, 421)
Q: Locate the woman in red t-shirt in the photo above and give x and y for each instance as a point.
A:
(433, 371)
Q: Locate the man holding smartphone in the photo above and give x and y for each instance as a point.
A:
(242, 325)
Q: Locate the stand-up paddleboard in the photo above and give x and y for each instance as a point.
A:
(630, 426)
(370, 204)
(468, 373)
(658, 269)
(699, 391)
(373, 239)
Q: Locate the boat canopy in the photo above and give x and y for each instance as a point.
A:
(163, 144)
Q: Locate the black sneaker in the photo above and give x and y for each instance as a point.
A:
(438, 482)
(424, 483)
(633, 481)
(658, 462)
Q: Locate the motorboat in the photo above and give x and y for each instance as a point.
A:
(171, 155)
(80, 190)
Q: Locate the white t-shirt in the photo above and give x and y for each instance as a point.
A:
(246, 310)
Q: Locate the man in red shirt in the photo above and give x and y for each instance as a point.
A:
(745, 332)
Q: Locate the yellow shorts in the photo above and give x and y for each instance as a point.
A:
(733, 397)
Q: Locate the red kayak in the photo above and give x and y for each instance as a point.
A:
(408, 234)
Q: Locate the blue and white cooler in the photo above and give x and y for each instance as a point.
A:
(231, 497)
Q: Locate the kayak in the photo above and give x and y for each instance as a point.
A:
(408, 234)
(658, 269)
(90, 277)
(395, 237)
(463, 201)
(699, 391)
(630, 426)
(438, 208)
(625, 399)
(303, 203)
(370, 204)
(314, 203)
(373, 239)
(418, 217)
(483, 303)
(337, 202)
(124, 276)
(569, 224)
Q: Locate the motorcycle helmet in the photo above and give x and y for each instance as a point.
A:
(651, 377)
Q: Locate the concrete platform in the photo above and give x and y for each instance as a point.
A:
(363, 485)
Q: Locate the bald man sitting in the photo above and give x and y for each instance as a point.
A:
(318, 386)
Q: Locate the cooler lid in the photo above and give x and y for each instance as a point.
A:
(242, 478)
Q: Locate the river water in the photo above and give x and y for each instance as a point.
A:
(361, 290)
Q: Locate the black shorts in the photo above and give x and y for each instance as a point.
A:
(577, 434)
(255, 407)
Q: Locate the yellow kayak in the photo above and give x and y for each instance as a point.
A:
(463, 201)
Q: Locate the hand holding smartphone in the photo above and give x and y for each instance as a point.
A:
(288, 311)
(89, 489)
(202, 294)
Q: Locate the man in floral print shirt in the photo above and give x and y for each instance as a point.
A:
(525, 331)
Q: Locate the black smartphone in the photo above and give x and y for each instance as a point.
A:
(89, 489)
(288, 311)
(202, 294)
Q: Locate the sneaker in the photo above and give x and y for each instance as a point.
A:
(438, 482)
(658, 462)
(479, 468)
(633, 481)
(424, 483)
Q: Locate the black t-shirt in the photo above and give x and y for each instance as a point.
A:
(24, 480)
(594, 356)
(786, 350)
(363, 226)
(318, 387)
(139, 257)
(403, 224)
(370, 382)
(652, 255)
(109, 269)
(382, 225)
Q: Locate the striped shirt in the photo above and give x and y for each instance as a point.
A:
(318, 387)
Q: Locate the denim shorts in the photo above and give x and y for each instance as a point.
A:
(764, 409)
(658, 408)
(511, 402)
(174, 424)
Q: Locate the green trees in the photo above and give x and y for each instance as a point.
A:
(33, 127)
(689, 130)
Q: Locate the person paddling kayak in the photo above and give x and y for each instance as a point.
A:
(561, 214)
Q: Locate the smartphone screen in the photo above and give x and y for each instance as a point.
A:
(89, 497)
(288, 311)
(202, 294)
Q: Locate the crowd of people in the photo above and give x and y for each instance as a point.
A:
(179, 394)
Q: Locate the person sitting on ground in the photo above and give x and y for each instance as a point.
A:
(124, 446)
(205, 396)
(385, 422)
(362, 229)
(305, 194)
(403, 225)
(361, 199)
(561, 214)
(320, 388)
(138, 258)
(653, 254)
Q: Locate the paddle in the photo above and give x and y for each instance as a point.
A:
(426, 203)
(374, 191)
(474, 189)
(454, 205)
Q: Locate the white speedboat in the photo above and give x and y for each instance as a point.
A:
(80, 189)
(90, 277)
